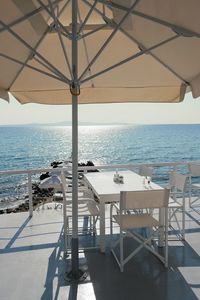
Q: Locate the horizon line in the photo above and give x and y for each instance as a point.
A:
(82, 123)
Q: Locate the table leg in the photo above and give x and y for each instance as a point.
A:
(102, 226)
(161, 231)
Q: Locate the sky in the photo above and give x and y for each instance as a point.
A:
(186, 112)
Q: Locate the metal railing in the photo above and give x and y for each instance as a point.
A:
(134, 167)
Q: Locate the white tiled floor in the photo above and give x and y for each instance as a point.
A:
(32, 265)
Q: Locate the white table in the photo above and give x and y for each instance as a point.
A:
(108, 191)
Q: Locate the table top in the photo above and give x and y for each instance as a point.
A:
(103, 185)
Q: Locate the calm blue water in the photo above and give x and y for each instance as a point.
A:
(33, 147)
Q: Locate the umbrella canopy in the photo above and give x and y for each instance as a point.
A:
(98, 51)
(128, 50)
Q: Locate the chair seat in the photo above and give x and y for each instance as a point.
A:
(136, 221)
(85, 208)
(59, 195)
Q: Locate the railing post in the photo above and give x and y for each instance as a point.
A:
(30, 196)
(190, 189)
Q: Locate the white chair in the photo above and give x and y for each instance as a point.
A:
(194, 171)
(144, 171)
(83, 191)
(149, 199)
(87, 208)
(177, 185)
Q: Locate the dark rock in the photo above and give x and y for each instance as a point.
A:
(88, 164)
(43, 176)
(55, 164)
(91, 164)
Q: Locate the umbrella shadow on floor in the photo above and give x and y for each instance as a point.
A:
(55, 272)
(144, 277)
(57, 285)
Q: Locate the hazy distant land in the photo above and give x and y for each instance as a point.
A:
(67, 123)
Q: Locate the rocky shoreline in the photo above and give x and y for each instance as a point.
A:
(40, 196)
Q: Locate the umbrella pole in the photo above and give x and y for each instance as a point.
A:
(75, 274)
(75, 242)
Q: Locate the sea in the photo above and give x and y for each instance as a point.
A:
(30, 147)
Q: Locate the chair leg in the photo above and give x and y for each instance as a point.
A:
(191, 202)
(183, 219)
(111, 227)
(183, 225)
(91, 225)
(170, 216)
(94, 225)
(111, 222)
(121, 252)
(179, 227)
(190, 205)
(166, 236)
(176, 219)
(166, 250)
(68, 243)
(143, 243)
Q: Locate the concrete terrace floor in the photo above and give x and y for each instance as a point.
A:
(32, 265)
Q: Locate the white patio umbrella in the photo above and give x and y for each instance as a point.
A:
(50, 182)
(98, 51)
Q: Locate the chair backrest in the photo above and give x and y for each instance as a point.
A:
(194, 169)
(177, 181)
(146, 171)
(144, 199)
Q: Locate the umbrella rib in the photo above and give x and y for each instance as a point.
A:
(44, 65)
(100, 27)
(63, 8)
(87, 17)
(178, 29)
(109, 39)
(130, 58)
(68, 34)
(153, 55)
(134, 40)
(60, 38)
(85, 47)
(103, 26)
(30, 67)
(95, 9)
(27, 16)
(35, 52)
(25, 63)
